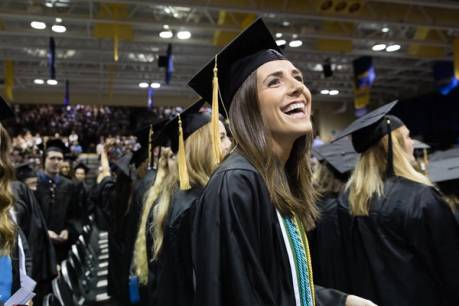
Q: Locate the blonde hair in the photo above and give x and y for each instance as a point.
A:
(7, 226)
(140, 249)
(367, 180)
(326, 181)
(159, 196)
(200, 167)
(453, 201)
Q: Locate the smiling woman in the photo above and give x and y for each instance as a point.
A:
(249, 243)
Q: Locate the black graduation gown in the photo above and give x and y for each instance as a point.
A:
(324, 243)
(127, 204)
(238, 249)
(84, 207)
(15, 261)
(58, 203)
(30, 219)
(175, 281)
(100, 197)
(406, 251)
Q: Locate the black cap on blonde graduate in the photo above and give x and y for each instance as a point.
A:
(178, 129)
(369, 129)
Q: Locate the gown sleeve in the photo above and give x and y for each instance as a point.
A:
(435, 237)
(225, 242)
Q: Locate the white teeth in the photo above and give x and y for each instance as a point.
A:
(294, 106)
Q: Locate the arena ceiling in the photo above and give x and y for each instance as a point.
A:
(335, 31)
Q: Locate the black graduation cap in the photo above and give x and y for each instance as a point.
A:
(191, 120)
(444, 170)
(419, 145)
(440, 155)
(254, 47)
(83, 166)
(56, 145)
(5, 110)
(370, 128)
(122, 164)
(340, 155)
(178, 129)
(25, 171)
(145, 138)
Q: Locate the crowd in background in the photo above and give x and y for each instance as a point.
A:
(82, 128)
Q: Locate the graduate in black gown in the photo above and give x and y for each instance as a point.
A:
(57, 198)
(249, 244)
(445, 174)
(400, 239)
(126, 202)
(172, 214)
(84, 207)
(119, 230)
(145, 162)
(31, 221)
(336, 162)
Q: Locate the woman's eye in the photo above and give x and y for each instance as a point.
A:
(273, 82)
(298, 78)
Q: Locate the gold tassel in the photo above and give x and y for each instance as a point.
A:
(150, 145)
(456, 57)
(215, 129)
(9, 79)
(181, 160)
(116, 45)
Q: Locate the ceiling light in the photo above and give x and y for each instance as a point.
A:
(167, 10)
(51, 82)
(155, 85)
(324, 92)
(166, 34)
(281, 42)
(385, 29)
(175, 15)
(286, 23)
(58, 20)
(294, 36)
(295, 43)
(38, 25)
(49, 4)
(58, 28)
(143, 85)
(333, 92)
(378, 47)
(278, 35)
(166, 27)
(393, 48)
(183, 35)
(39, 81)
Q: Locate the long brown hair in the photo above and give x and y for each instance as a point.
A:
(7, 227)
(290, 186)
(367, 180)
